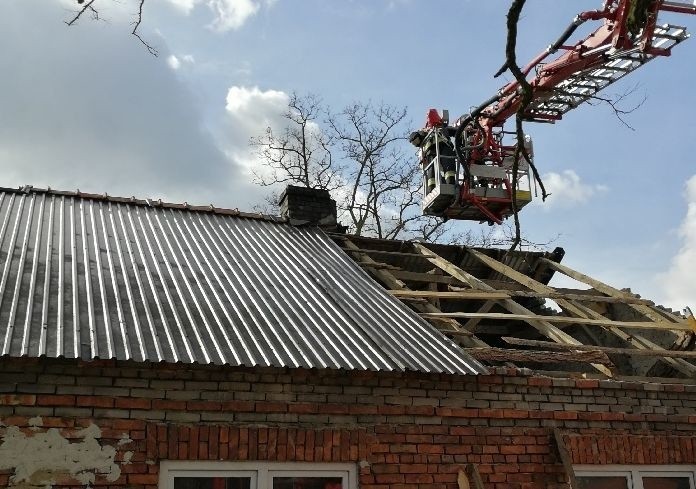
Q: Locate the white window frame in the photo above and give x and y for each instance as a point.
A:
(635, 473)
(261, 473)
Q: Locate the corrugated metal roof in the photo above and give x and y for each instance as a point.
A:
(110, 278)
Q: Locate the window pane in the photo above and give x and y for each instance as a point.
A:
(605, 482)
(307, 483)
(212, 483)
(666, 483)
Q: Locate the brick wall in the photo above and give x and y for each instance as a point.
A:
(405, 430)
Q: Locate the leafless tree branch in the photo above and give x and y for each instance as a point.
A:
(89, 7)
(525, 89)
(85, 8)
(135, 32)
(615, 101)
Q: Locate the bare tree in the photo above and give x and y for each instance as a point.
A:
(300, 153)
(359, 155)
(381, 192)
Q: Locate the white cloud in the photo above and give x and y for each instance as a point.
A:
(255, 105)
(231, 14)
(250, 111)
(104, 116)
(173, 62)
(184, 5)
(679, 282)
(567, 189)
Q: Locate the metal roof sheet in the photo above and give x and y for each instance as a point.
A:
(85, 277)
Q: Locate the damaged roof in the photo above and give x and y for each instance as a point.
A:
(495, 304)
(90, 276)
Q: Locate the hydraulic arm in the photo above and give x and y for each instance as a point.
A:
(467, 166)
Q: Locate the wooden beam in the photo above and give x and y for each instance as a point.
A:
(471, 324)
(664, 325)
(643, 343)
(582, 311)
(473, 473)
(544, 327)
(606, 349)
(371, 251)
(466, 294)
(471, 294)
(393, 283)
(608, 290)
(511, 355)
(566, 460)
(377, 265)
(425, 277)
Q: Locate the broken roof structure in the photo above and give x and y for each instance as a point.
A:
(108, 277)
(494, 303)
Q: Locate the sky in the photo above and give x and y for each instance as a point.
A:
(88, 107)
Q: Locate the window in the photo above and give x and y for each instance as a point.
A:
(256, 475)
(646, 477)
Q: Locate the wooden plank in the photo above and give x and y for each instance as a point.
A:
(608, 290)
(371, 251)
(535, 356)
(468, 294)
(565, 459)
(471, 324)
(393, 283)
(544, 327)
(643, 343)
(582, 311)
(377, 265)
(471, 294)
(473, 473)
(664, 325)
(425, 277)
(661, 352)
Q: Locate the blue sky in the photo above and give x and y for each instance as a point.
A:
(87, 107)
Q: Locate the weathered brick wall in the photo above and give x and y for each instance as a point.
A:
(405, 430)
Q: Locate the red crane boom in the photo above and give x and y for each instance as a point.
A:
(467, 168)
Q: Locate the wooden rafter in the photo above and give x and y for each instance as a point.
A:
(536, 356)
(582, 311)
(647, 311)
(393, 283)
(543, 326)
(469, 294)
(663, 325)
(606, 349)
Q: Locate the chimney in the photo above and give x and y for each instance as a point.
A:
(312, 206)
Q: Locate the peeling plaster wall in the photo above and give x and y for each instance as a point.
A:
(41, 457)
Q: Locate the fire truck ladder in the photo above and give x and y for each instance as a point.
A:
(585, 85)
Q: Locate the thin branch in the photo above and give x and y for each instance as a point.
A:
(136, 24)
(513, 18)
(88, 6)
(614, 105)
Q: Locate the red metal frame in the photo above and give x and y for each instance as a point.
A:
(583, 55)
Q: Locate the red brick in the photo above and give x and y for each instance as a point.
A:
(133, 403)
(55, 400)
(17, 400)
(271, 407)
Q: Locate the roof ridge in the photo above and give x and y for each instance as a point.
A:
(153, 203)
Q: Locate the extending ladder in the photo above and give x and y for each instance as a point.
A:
(585, 85)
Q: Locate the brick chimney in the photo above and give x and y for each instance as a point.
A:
(302, 205)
